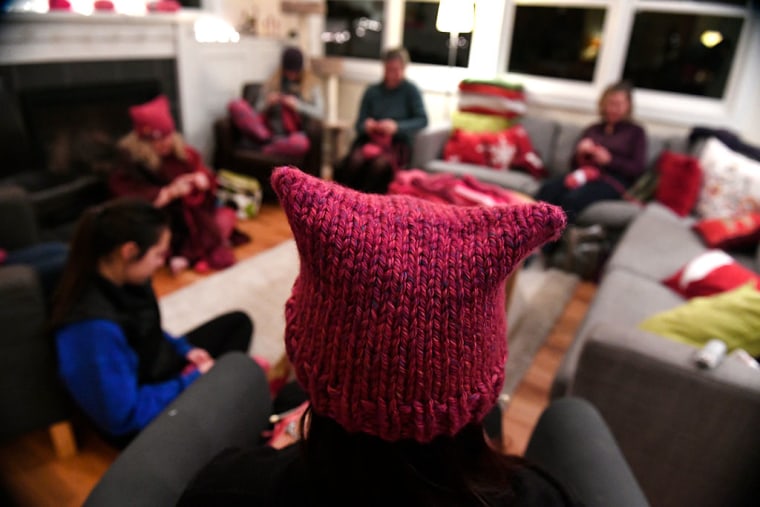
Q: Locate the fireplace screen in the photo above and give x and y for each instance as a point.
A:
(74, 129)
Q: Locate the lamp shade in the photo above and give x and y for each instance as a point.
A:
(456, 16)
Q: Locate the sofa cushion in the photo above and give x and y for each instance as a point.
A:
(564, 148)
(656, 244)
(610, 304)
(612, 215)
(731, 182)
(733, 317)
(543, 135)
(710, 273)
(513, 180)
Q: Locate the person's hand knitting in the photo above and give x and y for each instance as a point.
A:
(581, 176)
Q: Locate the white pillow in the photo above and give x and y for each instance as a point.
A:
(731, 182)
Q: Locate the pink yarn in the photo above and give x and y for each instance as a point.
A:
(396, 325)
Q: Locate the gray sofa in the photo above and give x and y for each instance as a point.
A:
(690, 435)
(554, 142)
(31, 394)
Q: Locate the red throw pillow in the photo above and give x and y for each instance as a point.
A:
(680, 182)
(710, 273)
(499, 150)
(728, 233)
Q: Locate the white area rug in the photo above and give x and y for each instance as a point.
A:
(260, 286)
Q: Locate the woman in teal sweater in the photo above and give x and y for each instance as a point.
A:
(390, 114)
(117, 363)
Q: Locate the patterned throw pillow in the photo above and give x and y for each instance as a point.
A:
(503, 150)
(710, 273)
(730, 233)
(731, 182)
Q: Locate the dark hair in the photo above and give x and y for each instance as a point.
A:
(361, 469)
(99, 232)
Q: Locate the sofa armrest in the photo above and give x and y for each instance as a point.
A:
(572, 442)
(18, 221)
(690, 435)
(227, 407)
(428, 144)
(30, 392)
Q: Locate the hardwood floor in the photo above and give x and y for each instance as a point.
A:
(33, 476)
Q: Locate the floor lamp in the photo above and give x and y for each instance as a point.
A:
(454, 17)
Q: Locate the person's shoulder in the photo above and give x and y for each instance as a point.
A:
(249, 476)
(410, 85)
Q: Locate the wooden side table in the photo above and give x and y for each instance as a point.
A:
(334, 134)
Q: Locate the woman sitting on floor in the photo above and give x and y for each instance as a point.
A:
(114, 358)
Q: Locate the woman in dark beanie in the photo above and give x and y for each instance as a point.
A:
(396, 331)
(291, 97)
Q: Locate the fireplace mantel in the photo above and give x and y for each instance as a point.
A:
(208, 74)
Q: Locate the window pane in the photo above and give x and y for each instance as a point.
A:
(354, 28)
(682, 53)
(558, 42)
(424, 42)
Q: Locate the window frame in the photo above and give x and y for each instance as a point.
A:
(490, 49)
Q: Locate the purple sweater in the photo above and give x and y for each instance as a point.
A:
(628, 146)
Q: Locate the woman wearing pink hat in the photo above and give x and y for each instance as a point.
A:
(158, 166)
(396, 330)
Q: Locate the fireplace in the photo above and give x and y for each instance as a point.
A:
(66, 112)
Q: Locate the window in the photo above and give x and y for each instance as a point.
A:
(426, 44)
(560, 42)
(682, 53)
(354, 28)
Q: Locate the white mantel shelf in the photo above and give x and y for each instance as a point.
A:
(209, 75)
(67, 36)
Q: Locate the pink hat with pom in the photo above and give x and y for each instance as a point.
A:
(396, 325)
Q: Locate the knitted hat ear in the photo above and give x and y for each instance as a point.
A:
(396, 326)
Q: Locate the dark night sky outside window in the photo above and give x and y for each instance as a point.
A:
(424, 42)
(560, 42)
(672, 53)
(354, 29)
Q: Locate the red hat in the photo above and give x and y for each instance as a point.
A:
(152, 120)
(396, 326)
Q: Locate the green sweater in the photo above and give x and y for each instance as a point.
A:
(402, 104)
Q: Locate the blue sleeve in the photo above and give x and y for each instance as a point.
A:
(417, 118)
(180, 344)
(99, 369)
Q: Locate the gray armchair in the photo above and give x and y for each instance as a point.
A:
(30, 392)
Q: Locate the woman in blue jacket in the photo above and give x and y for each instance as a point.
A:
(118, 364)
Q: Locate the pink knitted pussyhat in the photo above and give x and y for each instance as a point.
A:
(396, 325)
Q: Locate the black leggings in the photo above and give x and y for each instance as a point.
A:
(226, 333)
(574, 201)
